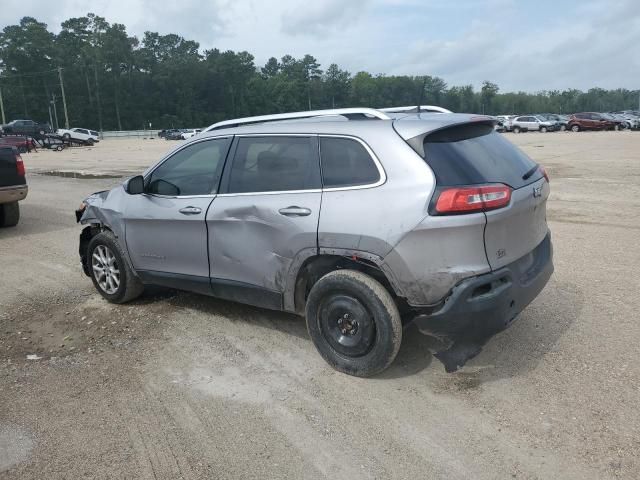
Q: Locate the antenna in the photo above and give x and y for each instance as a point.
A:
(424, 85)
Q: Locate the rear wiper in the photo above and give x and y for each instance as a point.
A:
(530, 172)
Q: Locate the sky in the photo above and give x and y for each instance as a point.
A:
(520, 45)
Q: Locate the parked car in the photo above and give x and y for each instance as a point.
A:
(633, 121)
(13, 185)
(560, 121)
(163, 133)
(26, 127)
(82, 135)
(175, 134)
(532, 123)
(506, 121)
(190, 133)
(588, 121)
(328, 219)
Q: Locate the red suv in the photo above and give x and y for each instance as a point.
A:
(589, 121)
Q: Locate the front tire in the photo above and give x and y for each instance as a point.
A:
(9, 214)
(575, 128)
(516, 129)
(543, 130)
(110, 272)
(354, 323)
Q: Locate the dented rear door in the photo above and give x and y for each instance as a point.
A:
(266, 216)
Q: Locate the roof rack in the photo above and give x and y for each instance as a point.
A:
(414, 109)
(350, 113)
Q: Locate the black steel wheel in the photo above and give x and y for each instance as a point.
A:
(353, 322)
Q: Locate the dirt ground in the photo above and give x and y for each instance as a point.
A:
(176, 385)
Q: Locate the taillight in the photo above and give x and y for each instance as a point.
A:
(544, 173)
(20, 166)
(473, 199)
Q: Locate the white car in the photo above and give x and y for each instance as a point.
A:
(80, 135)
(190, 133)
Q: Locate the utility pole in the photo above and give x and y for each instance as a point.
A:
(64, 99)
(55, 110)
(95, 72)
(50, 117)
(4, 120)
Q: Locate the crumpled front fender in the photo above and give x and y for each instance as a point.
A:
(105, 210)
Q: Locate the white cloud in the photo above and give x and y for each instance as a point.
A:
(542, 45)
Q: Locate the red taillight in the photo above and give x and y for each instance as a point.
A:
(544, 173)
(473, 199)
(20, 166)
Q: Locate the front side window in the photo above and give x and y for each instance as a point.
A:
(274, 164)
(345, 162)
(194, 170)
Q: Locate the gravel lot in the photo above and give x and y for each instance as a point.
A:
(176, 385)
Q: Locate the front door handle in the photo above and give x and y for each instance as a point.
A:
(190, 210)
(294, 211)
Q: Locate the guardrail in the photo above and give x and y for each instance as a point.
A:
(129, 133)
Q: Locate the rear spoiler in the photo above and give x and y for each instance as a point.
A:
(417, 141)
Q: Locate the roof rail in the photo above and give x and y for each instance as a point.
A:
(350, 113)
(414, 109)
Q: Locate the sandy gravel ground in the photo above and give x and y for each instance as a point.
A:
(176, 385)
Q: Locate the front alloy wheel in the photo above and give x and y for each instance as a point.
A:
(105, 269)
(111, 274)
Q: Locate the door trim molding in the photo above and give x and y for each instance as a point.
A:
(232, 290)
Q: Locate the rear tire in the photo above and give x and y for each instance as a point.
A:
(354, 323)
(9, 214)
(575, 128)
(110, 272)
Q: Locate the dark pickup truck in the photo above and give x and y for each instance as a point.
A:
(28, 128)
(13, 185)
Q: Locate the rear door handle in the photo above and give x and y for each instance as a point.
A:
(190, 210)
(294, 211)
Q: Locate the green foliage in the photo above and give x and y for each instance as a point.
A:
(116, 81)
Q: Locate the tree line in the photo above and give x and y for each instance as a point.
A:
(116, 81)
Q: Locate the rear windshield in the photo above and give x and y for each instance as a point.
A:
(475, 154)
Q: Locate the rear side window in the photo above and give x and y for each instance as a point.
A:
(345, 163)
(475, 154)
(274, 164)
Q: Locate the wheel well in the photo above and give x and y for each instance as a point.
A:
(86, 235)
(316, 267)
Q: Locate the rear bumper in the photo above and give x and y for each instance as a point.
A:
(13, 193)
(481, 306)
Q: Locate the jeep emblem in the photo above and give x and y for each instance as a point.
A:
(537, 191)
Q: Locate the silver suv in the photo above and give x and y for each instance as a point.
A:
(360, 220)
(533, 123)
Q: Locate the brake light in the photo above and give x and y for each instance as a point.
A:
(20, 166)
(473, 199)
(544, 173)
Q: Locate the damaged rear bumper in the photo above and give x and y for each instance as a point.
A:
(481, 306)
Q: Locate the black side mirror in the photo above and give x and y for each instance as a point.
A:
(135, 185)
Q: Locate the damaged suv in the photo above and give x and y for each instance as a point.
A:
(360, 220)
